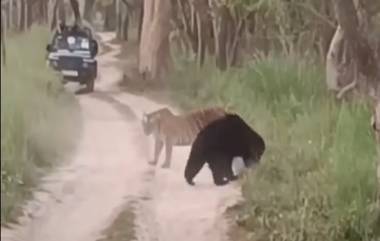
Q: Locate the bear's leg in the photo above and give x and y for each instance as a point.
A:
(227, 169)
(218, 171)
(193, 166)
(230, 174)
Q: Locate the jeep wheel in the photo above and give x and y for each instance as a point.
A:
(90, 84)
(96, 70)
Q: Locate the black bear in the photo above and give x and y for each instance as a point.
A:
(218, 143)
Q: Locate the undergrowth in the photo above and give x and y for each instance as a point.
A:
(317, 180)
(38, 119)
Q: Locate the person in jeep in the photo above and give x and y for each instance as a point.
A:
(72, 52)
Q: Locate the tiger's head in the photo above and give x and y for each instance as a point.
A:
(151, 121)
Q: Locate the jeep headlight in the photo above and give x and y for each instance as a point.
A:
(70, 40)
(85, 44)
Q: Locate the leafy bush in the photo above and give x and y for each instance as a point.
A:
(317, 180)
(37, 118)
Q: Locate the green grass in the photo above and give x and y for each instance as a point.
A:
(38, 119)
(317, 180)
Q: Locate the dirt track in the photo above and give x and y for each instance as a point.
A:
(110, 168)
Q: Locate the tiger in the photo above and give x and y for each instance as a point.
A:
(176, 130)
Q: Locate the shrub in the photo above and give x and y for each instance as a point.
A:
(317, 180)
(37, 118)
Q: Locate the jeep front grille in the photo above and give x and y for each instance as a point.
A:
(69, 62)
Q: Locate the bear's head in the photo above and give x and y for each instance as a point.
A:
(256, 150)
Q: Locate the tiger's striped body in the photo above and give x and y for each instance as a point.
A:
(176, 130)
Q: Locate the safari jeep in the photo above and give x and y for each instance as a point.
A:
(72, 53)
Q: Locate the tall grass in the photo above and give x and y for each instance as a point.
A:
(317, 180)
(38, 119)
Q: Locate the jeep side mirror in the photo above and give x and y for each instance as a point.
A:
(48, 48)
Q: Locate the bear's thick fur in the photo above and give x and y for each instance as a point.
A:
(218, 143)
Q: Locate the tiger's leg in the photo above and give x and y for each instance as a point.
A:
(157, 150)
(169, 148)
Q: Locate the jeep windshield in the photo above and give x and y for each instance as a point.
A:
(71, 43)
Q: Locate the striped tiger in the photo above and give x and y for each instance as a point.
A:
(176, 130)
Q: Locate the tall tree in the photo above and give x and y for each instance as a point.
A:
(58, 13)
(75, 7)
(362, 55)
(88, 8)
(110, 16)
(123, 11)
(3, 49)
(140, 17)
(21, 14)
(155, 58)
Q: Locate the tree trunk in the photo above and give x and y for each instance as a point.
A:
(21, 23)
(363, 54)
(193, 29)
(119, 18)
(359, 60)
(332, 63)
(54, 17)
(75, 7)
(61, 11)
(235, 42)
(43, 12)
(122, 21)
(110, 17)
(141, 15)
(204, 27)
(125, 26)
(144, 63)
(87, 12)
(221, 35)
(10, 15)
(154, 46)
(58, 13)
(201, 41)
(186, 27)
(3, 38)
(29, 14)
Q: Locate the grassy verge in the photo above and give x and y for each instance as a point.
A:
(317, 180)
(38, 119)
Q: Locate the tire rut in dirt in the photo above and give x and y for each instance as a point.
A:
(146, 222)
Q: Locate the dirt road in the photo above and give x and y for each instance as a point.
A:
(109, 168)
